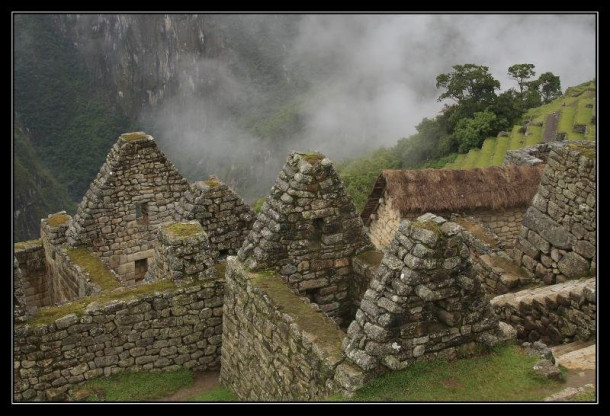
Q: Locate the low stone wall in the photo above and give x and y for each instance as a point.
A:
(158, 331)
(19, 310)
(365, 267)
(500, 274)
(553, 314)
(528, 156)
(384, 223)
(506, 224)
(36, 286)
(275, 346)
(558, 234)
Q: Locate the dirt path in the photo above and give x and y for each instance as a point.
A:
(201, 382)
(550, 127)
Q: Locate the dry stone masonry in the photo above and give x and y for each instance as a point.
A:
(157, 331)
(183, 254)
(528, 156)
(37, 289)
(275, 346)
(308, 230)
(135, 191)
(558, 233)
(424, 302)
(555, 314)
(225, 217)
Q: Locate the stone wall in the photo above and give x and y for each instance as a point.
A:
(558, 233)
(37, 287)
(528, 156)
(136, 190)
(308, 229)
(424, 302)
(19, 309)
(225, 217)
(555, 314)
(157, 331)
(505, 224)
(275, 346)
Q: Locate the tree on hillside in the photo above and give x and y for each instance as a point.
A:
(468, 82)
(549, 86)
(471, 132)
(522, 73)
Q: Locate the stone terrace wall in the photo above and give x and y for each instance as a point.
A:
(558, 234)
(37, 287)
(165, 331)
(19, 309)
(225, 217)
(506, 224)
(269, 351)
(135, 179)
(555, 314)
(528, 156)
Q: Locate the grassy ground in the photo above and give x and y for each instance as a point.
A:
(586, 396)
(218, 394)
(505, 374)
(135, 387)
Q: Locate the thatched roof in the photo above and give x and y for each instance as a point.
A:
(447, 190)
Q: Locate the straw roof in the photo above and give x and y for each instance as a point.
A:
(447, 190)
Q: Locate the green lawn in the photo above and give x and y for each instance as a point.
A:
(501, 148)
(133, 387)
(505, 374)
(535, 137)
(472, 159)
(517, 139)
(487, 153)
(457, 163)
(218, 394)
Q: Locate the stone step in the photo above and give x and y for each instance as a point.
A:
(578, 355)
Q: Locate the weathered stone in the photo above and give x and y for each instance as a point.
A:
(572, 265)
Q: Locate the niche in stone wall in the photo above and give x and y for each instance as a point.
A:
(142, 212)
(141, 267)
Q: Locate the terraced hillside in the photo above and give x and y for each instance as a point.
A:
(571, 116)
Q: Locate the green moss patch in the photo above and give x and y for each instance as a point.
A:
(49, 314)
(504, 374)
(372, 257)
(58, 219)
(328, 336)
(508, 266)
(138, 135)
(212, 182)
(588, 152)
(183, 230)
(313, 157)
(429, 225)
(221, 268)
(22, 245)
(94, 267)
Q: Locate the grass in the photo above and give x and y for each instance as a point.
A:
(535, 135)
(457, 163)
(49, 314)
(500, 151)
(566, 121)
(329, 337)
(22, 245)
(487, 152)
(183, 230)
(138, 135)
(132, 387)
(471, 159)
(504, 374)
(588, 152)
(212, 182)
(508, 266)
(57, 220)
(218, 394)
(517, 139)
(94, 267)
(585, 396)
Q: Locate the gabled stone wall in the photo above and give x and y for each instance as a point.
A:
(136, 190)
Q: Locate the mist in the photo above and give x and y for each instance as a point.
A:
(360, 82)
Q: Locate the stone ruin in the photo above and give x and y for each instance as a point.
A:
(424, 302)
(225, 217)
(308, 230)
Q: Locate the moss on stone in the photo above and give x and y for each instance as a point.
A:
(429, 225)
(57, 220)
(138, 135)
(22, 245)
(179, 229)
(212, 182)
(221, 268)
(477, 231)
(328, 336)
(313, 157)
(586, 151)
(509, 267)
(372, 257)
(50, 314)
(94, 267)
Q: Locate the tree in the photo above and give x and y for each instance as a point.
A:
(549, 86)
(468, 82)
(471, 132)
(521, 73)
